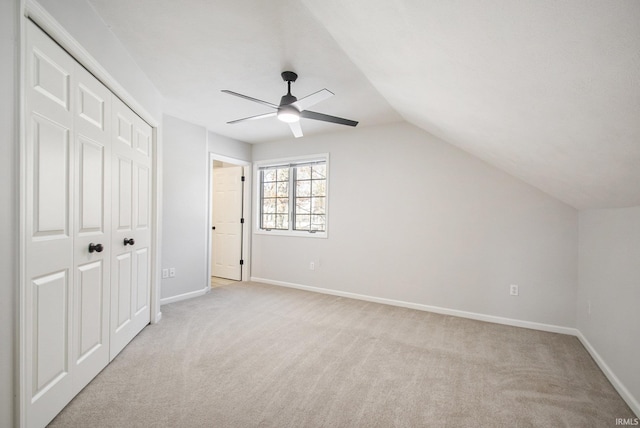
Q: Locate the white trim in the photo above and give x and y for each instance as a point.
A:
(246, 206)
(19, 395)
(185, 296)
(156, 233)
(427, 308)
(226, 159)
(632, 402)
(291, 233)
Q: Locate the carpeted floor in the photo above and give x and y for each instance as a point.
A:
(248, 355)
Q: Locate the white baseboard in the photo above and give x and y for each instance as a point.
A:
(157, 318)
(436, 309)
(184, 296)
(617, 384)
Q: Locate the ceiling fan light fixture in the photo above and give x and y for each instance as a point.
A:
(291, 109)
(288, 114)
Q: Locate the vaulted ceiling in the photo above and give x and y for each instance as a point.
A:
(548, 91)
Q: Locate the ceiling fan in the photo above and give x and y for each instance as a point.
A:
(292, 109)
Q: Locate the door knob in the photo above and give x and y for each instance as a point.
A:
(213, 228)
(95, 247)
(129, 241)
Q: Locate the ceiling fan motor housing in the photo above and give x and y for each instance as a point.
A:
(289, 76)
(287, 99)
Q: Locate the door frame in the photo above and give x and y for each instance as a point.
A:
(29, 9)
(246, 209)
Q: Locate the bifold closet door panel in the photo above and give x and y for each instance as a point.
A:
(49, 198)
(131, 226)
(67, 225)
(87, 236)
(92, 263)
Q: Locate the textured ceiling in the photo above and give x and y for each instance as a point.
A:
(192, 49)
(548, 91)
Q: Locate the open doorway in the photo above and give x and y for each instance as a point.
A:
(228, 196)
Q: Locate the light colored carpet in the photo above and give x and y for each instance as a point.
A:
(248, 355)
(217, 281)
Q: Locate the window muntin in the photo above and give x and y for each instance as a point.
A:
(310, 197)
(293, 197)
(274, 191)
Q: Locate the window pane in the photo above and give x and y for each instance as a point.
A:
(303, 205)
(318, 222)
(269, 190)
(269, 175)
(317, 206)
(282, 221)
(283, 189)
(303, 222)
(282, 205)
(303, 172)
(319, 172)
(319, 187)
(283, 174)
(303, 188)
(268, 206)
(268, 221)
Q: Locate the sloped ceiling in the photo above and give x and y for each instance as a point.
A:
(548, 91)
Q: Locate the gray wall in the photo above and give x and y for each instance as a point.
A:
(412, 218)
(610, 284)
(185, 203)
(184, 206)
(228, 147)
(8, 206)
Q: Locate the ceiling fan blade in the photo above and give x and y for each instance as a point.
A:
(326, 118)
(310, 100)
(296, 129)
(260, 116)
(250, 98)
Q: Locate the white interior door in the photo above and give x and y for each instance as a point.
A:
(92, 227)
(67, 185)
(226, 221)
(131, 226)
(48, 223)
(87, 205)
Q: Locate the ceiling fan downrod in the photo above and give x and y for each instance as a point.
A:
(288, 76)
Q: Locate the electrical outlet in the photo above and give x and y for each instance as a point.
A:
(312, 266)
(513, 290)
(172, 272)
(165, 273)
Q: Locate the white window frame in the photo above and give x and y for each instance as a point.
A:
(292, 161)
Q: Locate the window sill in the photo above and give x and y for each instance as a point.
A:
(297, 234)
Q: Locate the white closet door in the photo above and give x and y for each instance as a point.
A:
(131, 226)
(49, 227)
(92, 132)
(87, 187)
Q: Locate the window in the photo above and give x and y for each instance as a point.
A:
(293, 196)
